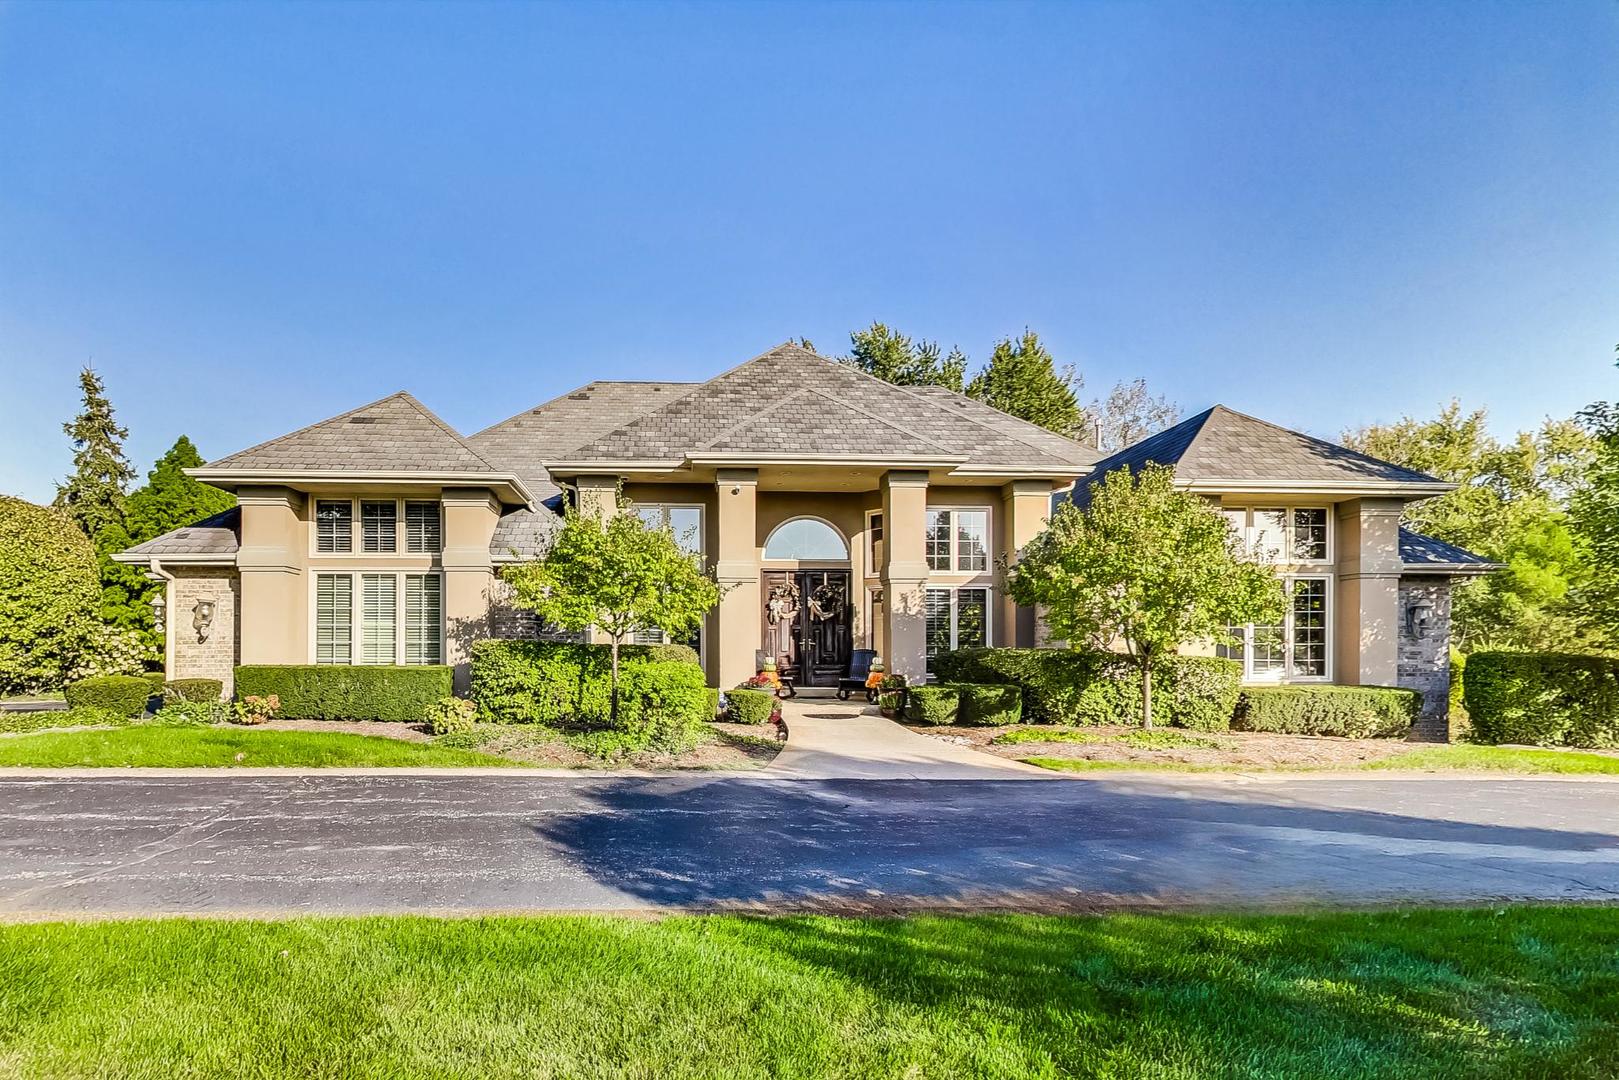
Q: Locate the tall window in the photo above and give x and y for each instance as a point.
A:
(686, 522)
(424, 612)
(334, 525)
(958, 540)
(379, 618)
(424, 529)
(334, 618)
(1295, 649)
(955, 619)
(379, 525)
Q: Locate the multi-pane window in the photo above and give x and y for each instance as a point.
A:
(379, 526)
(957, 540)
(379, 618)
(955, 619)
(1295, 649)
(1281, 534)
(424, 528)
(424, 619)
(334, 618)
(686, 522)
(334, 525)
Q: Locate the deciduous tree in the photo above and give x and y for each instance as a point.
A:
(1146, 564)
(1130, 413)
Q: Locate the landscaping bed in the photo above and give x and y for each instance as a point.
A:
(724, 746)
(1513, 992)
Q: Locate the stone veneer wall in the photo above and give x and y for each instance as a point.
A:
(1425, 662)
(216, 657)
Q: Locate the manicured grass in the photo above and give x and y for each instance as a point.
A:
(43, 695)
(1528, 992)
(166, 747)
(1462, 757)
(1139, 739)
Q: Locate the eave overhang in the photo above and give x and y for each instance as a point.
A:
(508, 487)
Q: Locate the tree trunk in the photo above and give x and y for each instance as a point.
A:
(1146, 691)
(612, 707)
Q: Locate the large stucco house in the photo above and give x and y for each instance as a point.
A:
(840, 511)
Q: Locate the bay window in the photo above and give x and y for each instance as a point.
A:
(1297, 648)
(957, 541)
(955, 619)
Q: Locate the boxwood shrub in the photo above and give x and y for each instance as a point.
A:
(1087, 686)
(347, 692)
(936, 705)
(156, 679)
(1543, 699)
(125, 695)
(1354, 712)
(988, 704)
(749, 706)
(193, 690)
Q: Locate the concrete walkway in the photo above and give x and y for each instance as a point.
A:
(835, 740)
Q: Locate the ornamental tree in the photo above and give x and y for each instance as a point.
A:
(616, 576)
(1147, 565)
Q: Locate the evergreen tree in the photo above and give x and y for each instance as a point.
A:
(94, 495)
(1023, 379)
(895, 358)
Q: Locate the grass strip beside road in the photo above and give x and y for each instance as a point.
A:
(1521, 992)
(1428, 759)
(174, 747)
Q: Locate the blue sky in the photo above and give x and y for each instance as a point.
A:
(250, 217)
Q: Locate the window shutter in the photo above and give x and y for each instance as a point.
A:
(379, 526)
(424, 610)
(334, 524)
(379, 618)
(424, 530)
(334, 618)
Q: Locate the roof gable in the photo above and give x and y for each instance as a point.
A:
(395, 434)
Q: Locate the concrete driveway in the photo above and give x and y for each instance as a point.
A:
(829, 739)
(226, 843)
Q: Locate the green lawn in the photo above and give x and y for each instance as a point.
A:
(1529, 992)
(1491, 758)
(173, 747)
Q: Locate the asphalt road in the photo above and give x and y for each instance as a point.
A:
(259, 845)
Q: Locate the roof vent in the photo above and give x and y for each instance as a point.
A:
(579, 397)
(362, 419)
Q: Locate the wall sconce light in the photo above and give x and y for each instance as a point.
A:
(1419, 618)
(202, 617)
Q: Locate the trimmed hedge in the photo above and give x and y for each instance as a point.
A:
(125, 695)
(749, 706)
(989, 704)
(1353, 712)
(156, 679)
(193, 690)
(1086, 686)
(1543, 699)
(347, 692)
(936, 705)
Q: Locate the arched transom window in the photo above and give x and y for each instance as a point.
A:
(806, 539)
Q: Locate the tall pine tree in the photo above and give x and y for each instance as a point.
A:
(93, 495)
(895, 358)
(1022, 379)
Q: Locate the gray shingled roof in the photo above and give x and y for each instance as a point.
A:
(1417, 551)
(216, 535)
(1222, 444)
(395, 434)
(737, 412)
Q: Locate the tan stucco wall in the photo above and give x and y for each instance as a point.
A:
(905, 573)
(1367, 622)
(470, 517)
(736, 564)
(215, 658)
(272, 562)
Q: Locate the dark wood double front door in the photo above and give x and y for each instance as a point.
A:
(807, 624)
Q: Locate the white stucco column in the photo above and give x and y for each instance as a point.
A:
(736, 566)
(1367, 624)
(905, 573)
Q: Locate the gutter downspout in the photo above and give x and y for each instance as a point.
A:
(168, 615)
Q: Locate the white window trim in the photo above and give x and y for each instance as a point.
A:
(1284, 676)
(357, 527)
(778, 563)
(955, 551)
(955, 613)
(357, 613)
(1285, 557)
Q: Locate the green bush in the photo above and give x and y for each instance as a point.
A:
(125, 695)
(344, 692)
(156, 679)
(50, 592)
(749, 706)
(935, 705)
(40, 719)
(193, 690)
(713, 703)
(1086, 686)
(183, 713)
(451, 716)
(988, 704)
(891, 702)
(1353, 712)
(683, 654)
(1543, 699)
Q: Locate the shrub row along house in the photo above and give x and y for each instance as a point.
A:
(839, 512)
